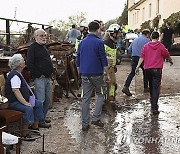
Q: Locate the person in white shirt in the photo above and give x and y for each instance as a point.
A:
(18, 93)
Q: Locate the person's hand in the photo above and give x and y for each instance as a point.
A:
(137, 71)
(28, 104)
(107, 79)
(171, 63)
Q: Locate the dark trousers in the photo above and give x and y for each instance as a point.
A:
(168, 46)
(134, 62)
(154, 77)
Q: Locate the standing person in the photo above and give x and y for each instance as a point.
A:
(153, 54)
(167, 36)
(102, 26)
(18, 93)
(125, 28)
(29, 33)
(135, 49)
(41, 68)
(73, 34)
(91, 62)
(110, 45)
(83, 31)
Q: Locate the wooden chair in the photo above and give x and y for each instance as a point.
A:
(2, 149)
(9, 115)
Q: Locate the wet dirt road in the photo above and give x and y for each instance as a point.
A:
(130, 130)
(133, 129)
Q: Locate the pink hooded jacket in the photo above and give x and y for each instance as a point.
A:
(153, 54)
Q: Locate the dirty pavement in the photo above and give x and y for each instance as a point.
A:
(131, 129)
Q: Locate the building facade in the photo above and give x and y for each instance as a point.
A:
(140, 11)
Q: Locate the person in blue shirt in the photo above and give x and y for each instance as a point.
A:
(91, 63)
(135, 49)
(73, 34)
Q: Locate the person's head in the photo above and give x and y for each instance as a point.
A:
(168, 24)
(16, 62)
(40, 36)
(94, 27)
(123, 25)
(146, 32)
(83, 26)
(155, 36)
(101, 24)
(137, 31)
(114, 31)
(73, 26)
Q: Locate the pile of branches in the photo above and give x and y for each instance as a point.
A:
(59, 49)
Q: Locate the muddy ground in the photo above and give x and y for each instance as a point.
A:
(130, 130)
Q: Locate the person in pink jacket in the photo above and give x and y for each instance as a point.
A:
(153, 54)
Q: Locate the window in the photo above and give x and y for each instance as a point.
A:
(143, 13)
(150, 10)
(137, 16)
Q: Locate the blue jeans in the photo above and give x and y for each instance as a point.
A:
(29, 113)
(43, 92)
(134, 63)
(88, 84)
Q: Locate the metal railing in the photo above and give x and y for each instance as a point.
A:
(8, 32)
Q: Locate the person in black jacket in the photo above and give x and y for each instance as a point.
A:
(41, 68)
(167, 36)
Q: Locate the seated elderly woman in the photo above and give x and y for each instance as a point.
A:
(18, 93)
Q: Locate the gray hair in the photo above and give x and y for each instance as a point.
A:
(15, 61)
(37, 32)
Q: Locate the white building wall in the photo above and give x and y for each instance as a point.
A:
(148, 10)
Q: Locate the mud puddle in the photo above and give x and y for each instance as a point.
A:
(137, 131)
(134, 130)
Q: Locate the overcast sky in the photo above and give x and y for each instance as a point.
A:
(44, 11)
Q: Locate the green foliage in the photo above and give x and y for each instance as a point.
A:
(174, 19)
(123, 19)
(76, 19)
(155, 22)
(146, 25)
(59, 34)
(59, 24)
(60, 27)
(110, 22)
